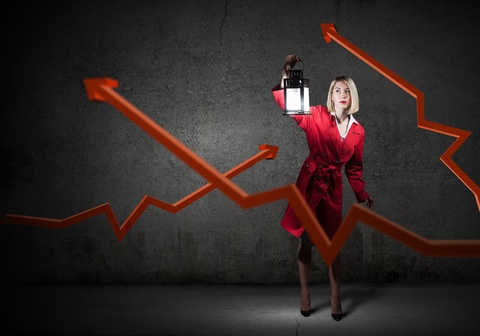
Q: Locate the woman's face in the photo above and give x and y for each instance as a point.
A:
(341, 96)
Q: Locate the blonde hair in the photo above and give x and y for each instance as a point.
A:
(354, 104)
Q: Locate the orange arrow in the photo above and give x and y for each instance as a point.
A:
(329, 33)
(101, 90)
(267, 152)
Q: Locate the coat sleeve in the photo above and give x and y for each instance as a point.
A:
(278, 95)
(354, 172)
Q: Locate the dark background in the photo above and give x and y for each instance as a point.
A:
(204, 70)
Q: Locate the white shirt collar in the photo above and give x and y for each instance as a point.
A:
(351, 120)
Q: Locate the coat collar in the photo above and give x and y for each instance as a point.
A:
(350, 121)
(339, 145)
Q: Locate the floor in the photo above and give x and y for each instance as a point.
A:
(243, 309)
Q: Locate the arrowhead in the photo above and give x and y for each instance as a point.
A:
(326, 29)
(273, 150)
(92, 85)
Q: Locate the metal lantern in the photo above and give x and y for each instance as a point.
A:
(296, 93)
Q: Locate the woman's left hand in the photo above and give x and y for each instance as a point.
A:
(369, 202)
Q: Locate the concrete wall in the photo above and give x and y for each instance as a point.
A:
(203, 70)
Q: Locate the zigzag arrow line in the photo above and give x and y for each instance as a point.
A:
(101, 89)
(329, 32)
(267, 152)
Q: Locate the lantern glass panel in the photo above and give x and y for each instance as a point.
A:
(297, 95)
(293, 99)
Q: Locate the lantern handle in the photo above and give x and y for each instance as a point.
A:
(303, 64)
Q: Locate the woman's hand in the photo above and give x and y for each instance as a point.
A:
(369, 202)
(288, 64)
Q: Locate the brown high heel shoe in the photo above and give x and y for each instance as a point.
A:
(337, 317)
(307, 312)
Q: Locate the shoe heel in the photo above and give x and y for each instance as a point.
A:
(305, 313)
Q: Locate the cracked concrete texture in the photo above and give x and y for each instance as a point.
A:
(238, 309)
(204, 71)
(223, 22)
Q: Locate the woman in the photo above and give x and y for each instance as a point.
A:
(335, 139)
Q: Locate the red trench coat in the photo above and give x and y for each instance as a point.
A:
(320, 178)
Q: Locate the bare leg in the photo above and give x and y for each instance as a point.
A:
(304, 267)
(334, 276)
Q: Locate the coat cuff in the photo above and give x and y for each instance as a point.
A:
(361, 197)
(277, 87)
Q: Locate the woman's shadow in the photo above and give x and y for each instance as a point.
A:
(352, 298)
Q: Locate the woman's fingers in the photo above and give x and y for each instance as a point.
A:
(290, 62)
